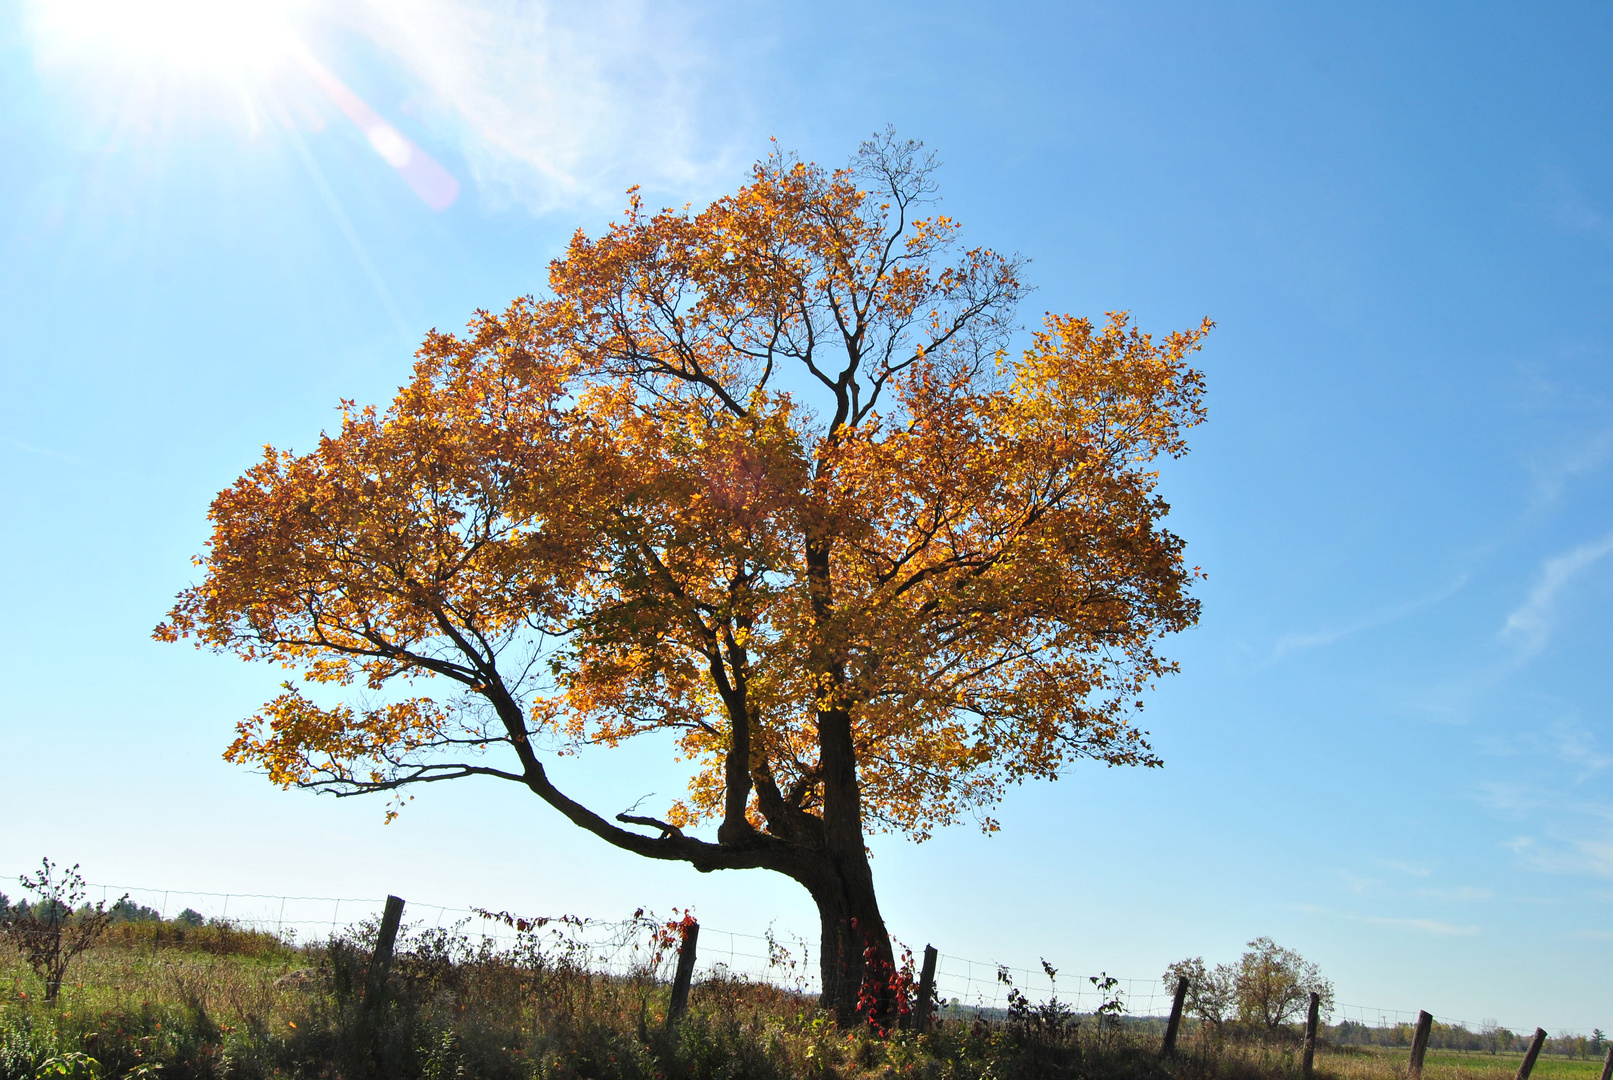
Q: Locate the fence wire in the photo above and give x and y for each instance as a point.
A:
(626, 946)
(975, 984)
(616, 947)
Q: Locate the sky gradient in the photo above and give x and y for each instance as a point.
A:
(1390, 742)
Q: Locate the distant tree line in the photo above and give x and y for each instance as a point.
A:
(1269, 987)
(1489, 1038)
(123, 911)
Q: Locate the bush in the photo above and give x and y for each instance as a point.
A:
(57, 926)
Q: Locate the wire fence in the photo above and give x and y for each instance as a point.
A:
(974, 984)
(621, 946)
(604, 945)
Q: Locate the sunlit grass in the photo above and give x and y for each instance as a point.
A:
(1388, 1063)
(217, 1003)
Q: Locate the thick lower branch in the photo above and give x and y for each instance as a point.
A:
(757, 850)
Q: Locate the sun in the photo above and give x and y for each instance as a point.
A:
(226, 38)
(145, 62)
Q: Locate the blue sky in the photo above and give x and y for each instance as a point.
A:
(1389, 747)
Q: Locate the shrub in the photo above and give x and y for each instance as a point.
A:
(50, 932)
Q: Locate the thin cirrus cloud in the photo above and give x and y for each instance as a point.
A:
(1576, 744)
(1422, 926)
(1466, 894)
(1530, 624)
(1327, 635)
(1585, 855)
(1418, 926)
(564, 106)
(1552, 476)
(1570, 209)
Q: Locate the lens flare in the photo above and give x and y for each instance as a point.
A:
(434, 184)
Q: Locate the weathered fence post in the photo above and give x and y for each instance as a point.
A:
(1419, 1044)
(1533, 1052)
(1607, 1066)
(1174, 1027)
(680, 980)
(921, 1008)
(381, 961)
(1312, 1018)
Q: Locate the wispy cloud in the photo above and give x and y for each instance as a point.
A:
(559, 105)
(1577, 745)
(1466, 894)
(1330, 633)
(1359, 884)
(1530, 624)
(1570, 210)
(47, 452)
(1585, 856)
(1424, 926)
(1579, 841)
(1568, 740)
(1552, 475)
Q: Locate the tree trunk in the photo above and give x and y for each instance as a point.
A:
(857, 962)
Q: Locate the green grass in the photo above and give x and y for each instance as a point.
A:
(220, 1004)
(1392, 1061)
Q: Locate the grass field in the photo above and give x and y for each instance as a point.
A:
(1384, 1061)
(221, 1004)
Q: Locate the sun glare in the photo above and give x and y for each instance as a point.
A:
(227, 38)
(133, 53)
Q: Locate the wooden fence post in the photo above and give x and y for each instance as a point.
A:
(680, 980)
(1607, 1066)
(1312, 1018)
(922, 1007)
(1174, 1027)
(381, 961)
(1534, 1051)
(1419, 1044)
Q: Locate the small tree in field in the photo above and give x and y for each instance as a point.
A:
(763, 478)
(1209, 990)
(57, 926)
(1272, 985)
(1268, 987)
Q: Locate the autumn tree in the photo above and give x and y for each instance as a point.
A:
(1272, 985)
(1268, 986)
(763, 477)
(1210, 991)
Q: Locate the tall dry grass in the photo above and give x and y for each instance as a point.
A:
(235, 1005)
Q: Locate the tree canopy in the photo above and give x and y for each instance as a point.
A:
(1268, 986)
(765, 477)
